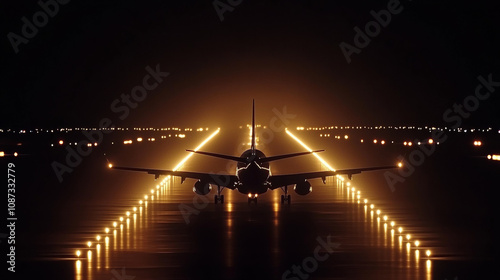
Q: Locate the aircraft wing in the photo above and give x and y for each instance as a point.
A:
(278, 181)
(212, 178)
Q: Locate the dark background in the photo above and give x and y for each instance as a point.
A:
(282, 53)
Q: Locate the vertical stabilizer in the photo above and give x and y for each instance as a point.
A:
(253, 127)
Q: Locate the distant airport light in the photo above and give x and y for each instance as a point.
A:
(385, 218)
(392, 224)
(372, 206)
(374, 141)
(410, 143)
(405, 143)
(135, 209)
(428, 253)
(89, 244)
(126, 142)
(431, 141)
(478, 143)
(378, 211)
(61, 142)
(16, 154)
(139, 139)
(382, 142)
(366, 201)
(115, 224)
(110, 165)
(400, 230)
(250, 195)
(146, 197)
(106, 230)
(98, 238)
(417, 243)
(346, 137)
(78, 253)
(362, 140)
(408, 237)
(140, 201)
(152, 191)
(121, 219)
(2, 154)
(495, 157)
(128, 213)
(400, 164)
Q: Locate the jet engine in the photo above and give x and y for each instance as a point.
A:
(303, 188)
(202, 188)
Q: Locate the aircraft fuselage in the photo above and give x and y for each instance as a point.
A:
(253, 178)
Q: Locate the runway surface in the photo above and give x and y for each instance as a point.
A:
(330, 234)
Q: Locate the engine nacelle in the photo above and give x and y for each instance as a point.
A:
(303, 188)
(202, 188)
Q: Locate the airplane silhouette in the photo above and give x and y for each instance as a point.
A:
(253, 176)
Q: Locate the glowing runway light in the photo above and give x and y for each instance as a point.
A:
(392, 224)
(385, 218)
(400, 230)
(428, 253)
(378, 211)
(140, 201)
(146, 197)
(372, 206)
(408, 237)
(400, 164)
(196, 149)
(78, 253)
(106, 230)
(365, 201)
(431, 141)
(98, 238)
(309, 149)
(115, 224)
(89, 244)
(417, 243)
(135, 209)
(152, 191)
(121, 219)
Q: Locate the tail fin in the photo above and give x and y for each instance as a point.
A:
(253, 128)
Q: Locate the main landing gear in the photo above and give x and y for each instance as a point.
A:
(219, 197)
(286, 197)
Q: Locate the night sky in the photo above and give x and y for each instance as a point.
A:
(282, 53)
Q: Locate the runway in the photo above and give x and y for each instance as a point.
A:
(139, 228)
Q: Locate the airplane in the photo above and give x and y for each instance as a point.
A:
(253, 175)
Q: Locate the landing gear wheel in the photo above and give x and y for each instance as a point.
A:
(286, 197)
(250, 200)
(219, 197)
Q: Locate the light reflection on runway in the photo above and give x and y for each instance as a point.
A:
(157, 238)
